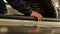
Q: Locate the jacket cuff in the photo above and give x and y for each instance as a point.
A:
(28, 13)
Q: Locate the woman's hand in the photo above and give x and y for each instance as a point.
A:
(37, 15)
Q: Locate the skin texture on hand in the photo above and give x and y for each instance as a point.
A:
(37, 15)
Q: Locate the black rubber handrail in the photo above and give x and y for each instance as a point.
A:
(20, 17)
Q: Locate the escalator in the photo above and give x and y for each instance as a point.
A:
(19, 24)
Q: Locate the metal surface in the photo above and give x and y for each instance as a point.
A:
(11, 26)
(12, 22)
(23, 30)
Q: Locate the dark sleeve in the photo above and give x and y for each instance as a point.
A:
(20, 6)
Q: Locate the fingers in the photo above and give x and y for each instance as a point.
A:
(39, 17)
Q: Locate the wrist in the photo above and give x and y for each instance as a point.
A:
(33, 14)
